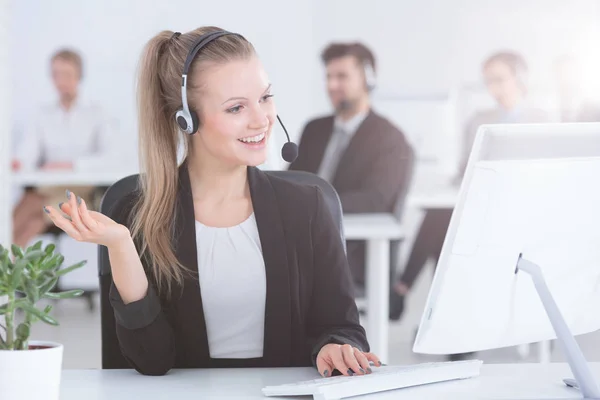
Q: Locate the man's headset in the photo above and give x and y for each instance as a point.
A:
(370, 79)
(188, 120)
(370, 83)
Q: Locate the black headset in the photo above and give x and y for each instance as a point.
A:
(188, 120)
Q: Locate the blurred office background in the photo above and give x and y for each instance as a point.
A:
(429, 59)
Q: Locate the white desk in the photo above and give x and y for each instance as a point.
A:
(500, 381)
(445, 197)
(377, 230)
(65, 178)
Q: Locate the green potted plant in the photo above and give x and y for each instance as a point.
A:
(30, 369)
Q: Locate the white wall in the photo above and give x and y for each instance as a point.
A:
(111, 34)
(5, 123)
(431, 47)
(4, 133)
(426, 48)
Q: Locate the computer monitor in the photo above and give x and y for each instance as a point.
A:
(530, 194)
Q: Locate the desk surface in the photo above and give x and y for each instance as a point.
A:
(436, 198)
(372, 226)
(498, 381)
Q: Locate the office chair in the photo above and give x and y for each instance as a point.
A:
(111, 353)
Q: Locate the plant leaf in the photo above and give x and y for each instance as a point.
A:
(17, 251)
(37, 245)
(48, 286)
(48, 309)
(38, 313)
(4, 261)
(32, 291)
(65, 271)
(17, 273)
(50, 248)
(23, 331)
(3, 309)
(50, 263)
(69, 294)
(60, 260)
(33, 255)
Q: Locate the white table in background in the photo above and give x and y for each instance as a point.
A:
(441, 198)
(377, 230)
(497, 381)
(66, 178)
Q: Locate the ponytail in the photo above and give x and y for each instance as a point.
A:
(159, 98)
(158, 141)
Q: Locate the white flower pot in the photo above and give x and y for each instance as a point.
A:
(31, 374)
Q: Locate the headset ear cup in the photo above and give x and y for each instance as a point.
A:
(369, 76)
(195, 122)
(181, 120)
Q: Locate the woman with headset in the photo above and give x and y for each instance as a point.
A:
(214, 262)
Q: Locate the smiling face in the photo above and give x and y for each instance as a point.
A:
(236, 111)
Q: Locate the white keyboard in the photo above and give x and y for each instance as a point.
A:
(382, 379)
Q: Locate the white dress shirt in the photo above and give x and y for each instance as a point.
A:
(233, 286)
(343, 131)
(83, 133)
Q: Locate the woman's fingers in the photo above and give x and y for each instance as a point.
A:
(86, 217)
(66, 209)
(75, 217)
(59, 220)
(372, 357)
(351, 361)
(324, 367)
(338, 361)
(362, 360)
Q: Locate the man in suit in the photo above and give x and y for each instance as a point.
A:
(363, 155)
(505, 76)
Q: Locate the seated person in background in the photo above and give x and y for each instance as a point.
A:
(59, 135)
(363, 155)
(214, 262)
(573, 104)
(505, 77)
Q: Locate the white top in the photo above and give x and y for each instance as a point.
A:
(83, 133)
(233, 286)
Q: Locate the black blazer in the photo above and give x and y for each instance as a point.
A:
(374, 172)
(309, 300)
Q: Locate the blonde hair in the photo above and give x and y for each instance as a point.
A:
(159, 98)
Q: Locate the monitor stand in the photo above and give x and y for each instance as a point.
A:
(584, 380)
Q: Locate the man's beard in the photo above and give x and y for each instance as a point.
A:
(345, 106)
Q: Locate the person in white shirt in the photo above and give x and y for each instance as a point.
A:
(58, 136)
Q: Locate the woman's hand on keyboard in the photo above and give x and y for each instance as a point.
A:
(346, 359)
(84, 225)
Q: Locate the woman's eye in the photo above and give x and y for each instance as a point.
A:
(267, 97)
(234, 110)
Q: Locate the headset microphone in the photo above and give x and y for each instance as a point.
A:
(289, 151)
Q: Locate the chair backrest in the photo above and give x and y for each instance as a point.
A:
(111, 353)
